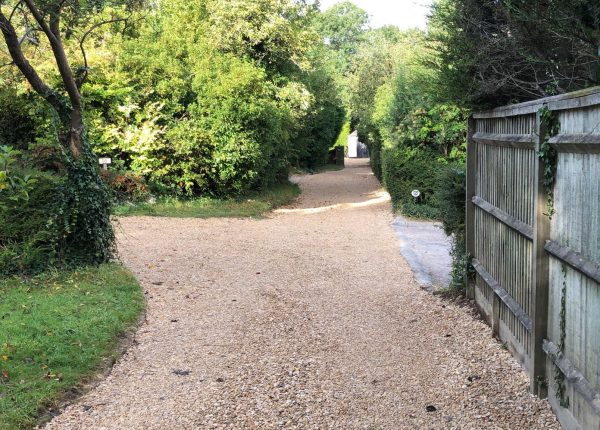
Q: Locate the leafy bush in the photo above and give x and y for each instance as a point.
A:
(17, 127)
(44, 216)
(376, 159)
(197, 111)
(14, 185)
(406, 169)
(440, 127)
(450, 191)
(30, 234)
(342, 139)
(450, 200)
(126, 186)
(419, 211)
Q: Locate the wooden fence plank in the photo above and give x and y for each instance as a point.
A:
(577, 99)
(505, 218)
(574, 259)
(573, 375)
(578, 143)
(540, 272)
(472, 173)
(503, 295)
(507, 140)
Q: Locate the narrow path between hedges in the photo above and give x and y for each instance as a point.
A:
(309, 319)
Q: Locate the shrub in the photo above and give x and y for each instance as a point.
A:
(450, 200)
(375, 159)
(126, 186)
(450, 194)
(45, 217)
(406, 169)
(419, 211)
(17, 128)
(30, 233)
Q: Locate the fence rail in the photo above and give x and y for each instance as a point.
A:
(537, 277)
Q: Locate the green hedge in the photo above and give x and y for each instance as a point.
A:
(30, 236)
(407, 169)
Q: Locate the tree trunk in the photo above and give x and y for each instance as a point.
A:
(76, 141)
(83, 204)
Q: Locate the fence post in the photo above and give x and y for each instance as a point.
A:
(540, 271)
(470, 207)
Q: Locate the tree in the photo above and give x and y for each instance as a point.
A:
(272, 32)
(83, 203)
(494, 52)
(343, 26)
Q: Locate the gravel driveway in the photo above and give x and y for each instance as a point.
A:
(309, 319)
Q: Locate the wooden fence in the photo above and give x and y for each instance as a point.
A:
(537, 277)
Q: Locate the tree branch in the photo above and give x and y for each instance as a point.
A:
(39, 86)
(81, 79)
(57, 48)
(12, 13)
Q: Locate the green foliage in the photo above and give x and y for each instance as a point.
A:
(199, 110)
(126, 186)
(343, 27)
(559, 376)
(30, 231)
(57, 329)
(450, 191)
(85, 239)
(549, 155)
(406, 169)
(45, 218)
(17, 127)
(420, 211)
(342, 139)
(14, 187)
(376, 158)
(441, 128)
(274, 33)
(450, 201)
(490, 53)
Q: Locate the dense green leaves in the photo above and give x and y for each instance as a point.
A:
(200, 109)
(493, 52)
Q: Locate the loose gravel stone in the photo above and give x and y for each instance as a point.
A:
(309, 319)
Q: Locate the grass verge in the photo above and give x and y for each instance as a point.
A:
(319, 169)
(55, 331)
(253, 206)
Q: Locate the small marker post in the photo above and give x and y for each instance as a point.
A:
(416, 195)
(104, 162)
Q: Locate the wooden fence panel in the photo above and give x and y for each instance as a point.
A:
(576, 227)
(502, 230)
(538, 280)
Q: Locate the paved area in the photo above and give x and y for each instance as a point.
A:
(426, 248)
(309, 319)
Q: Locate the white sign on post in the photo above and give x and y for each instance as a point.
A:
(416, 193)
(105, 161)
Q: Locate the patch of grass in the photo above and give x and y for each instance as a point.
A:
(329, 168)
(320, 169)
(55, 330)
(253, 206)
(418, 211)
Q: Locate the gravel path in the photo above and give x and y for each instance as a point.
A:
(309, 319)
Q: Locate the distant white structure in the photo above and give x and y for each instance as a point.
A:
(356, 149)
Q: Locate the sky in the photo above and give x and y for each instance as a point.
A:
(402, 13)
